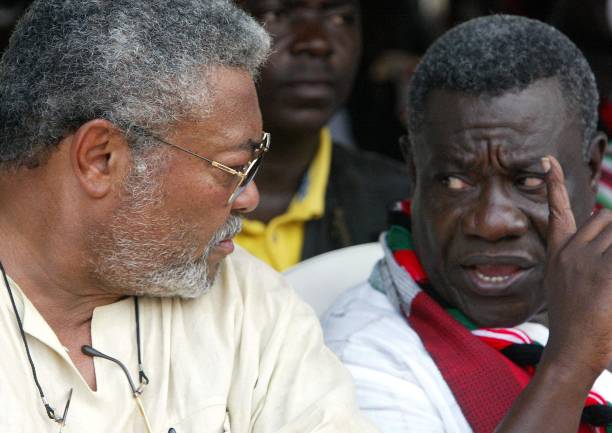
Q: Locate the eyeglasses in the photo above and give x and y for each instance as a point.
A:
(245, 175)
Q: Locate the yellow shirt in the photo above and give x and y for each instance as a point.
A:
(279, 242)
(246, 357)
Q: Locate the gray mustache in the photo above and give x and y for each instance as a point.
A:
(231, 228)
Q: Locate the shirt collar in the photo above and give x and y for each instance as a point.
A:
(309, 201)
(33, 322)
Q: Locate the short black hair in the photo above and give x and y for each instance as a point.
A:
(496, 54)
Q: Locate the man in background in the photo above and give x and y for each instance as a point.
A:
(316, 195)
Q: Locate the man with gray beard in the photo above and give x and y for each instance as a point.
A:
(129, 137)
(135, 259)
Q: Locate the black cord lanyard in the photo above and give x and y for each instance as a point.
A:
(88, 350)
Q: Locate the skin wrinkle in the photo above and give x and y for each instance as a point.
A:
(494, 67)
(489, 143)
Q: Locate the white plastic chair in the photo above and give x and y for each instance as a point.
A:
(319, 280)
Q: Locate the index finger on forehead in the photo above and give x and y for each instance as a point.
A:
(561, 221)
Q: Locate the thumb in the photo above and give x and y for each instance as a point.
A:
(561, 222)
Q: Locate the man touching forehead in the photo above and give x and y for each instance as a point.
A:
(503, 149)
(480, 213)
(477, 135)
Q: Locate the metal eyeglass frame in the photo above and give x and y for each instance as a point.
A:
(249, 170)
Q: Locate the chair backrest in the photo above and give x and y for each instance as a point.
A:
(319, 280)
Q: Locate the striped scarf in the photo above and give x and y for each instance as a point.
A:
(604, 190)
(490, 365)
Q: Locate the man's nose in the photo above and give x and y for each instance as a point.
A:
(495, 216)
(311, 35)
(247, 200)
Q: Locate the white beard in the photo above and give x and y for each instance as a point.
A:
(130, 256)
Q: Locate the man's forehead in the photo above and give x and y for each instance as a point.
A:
(531, 119)
(471, 155)
(232, 119)
(535, 103)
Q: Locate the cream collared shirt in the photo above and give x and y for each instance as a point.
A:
(246, 357)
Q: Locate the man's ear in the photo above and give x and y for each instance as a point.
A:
(407, 152)
(100, 157)
(597, 151)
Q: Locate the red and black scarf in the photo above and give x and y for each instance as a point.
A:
(486, 369)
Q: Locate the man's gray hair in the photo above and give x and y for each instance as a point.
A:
(493, 55)
(133, 62)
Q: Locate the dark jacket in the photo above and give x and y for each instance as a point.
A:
(361, 186)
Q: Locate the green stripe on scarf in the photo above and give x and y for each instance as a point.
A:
(399, 238)
(461, 318)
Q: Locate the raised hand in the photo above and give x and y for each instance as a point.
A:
(579, 282)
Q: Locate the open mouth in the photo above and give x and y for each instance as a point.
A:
(495, 276)
(495, 273)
